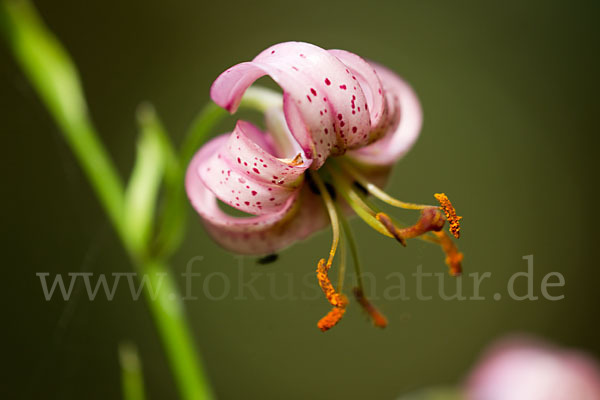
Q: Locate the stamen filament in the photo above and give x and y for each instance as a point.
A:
(379, 319)
(342, 251)
(376, 191)
(355, 201)
(353, 249)
(337, 300)
(333, 216)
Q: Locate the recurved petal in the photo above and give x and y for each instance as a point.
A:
(367, 78)
(325, 105)
(300, 215)
(403, 123)
(241, 170)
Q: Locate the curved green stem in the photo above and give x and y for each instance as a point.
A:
(169, 315)
(55, 78)
(132, 380)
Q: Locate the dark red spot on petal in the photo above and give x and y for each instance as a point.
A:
(327, 82)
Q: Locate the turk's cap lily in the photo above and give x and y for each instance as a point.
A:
(526, 369)
(330, 141)
(333, 101)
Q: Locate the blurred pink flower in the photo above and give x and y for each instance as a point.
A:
(524, 369)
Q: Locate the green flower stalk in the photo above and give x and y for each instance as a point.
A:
(131, 209)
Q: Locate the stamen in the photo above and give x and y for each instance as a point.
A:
(450, 212)
(379, 320)
(453, 256)
(330, 205)
(297, 160)
(376, 191)
(331, 319)
(431, 220)
(337, 300)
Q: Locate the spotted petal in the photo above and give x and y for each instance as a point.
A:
(243, 172)
(300, 213)
(326, 101)
(404, 122)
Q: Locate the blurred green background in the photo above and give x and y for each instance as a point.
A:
(509, 91)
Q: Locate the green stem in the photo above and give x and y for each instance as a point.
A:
(49, 69)
(132, 380)
(172, 218)
(55, 78)
(169, 315)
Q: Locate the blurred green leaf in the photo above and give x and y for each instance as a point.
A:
(154, 153)
(55, 78)
(132, 380)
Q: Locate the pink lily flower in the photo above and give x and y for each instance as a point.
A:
(331, 140)
(529, 370)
